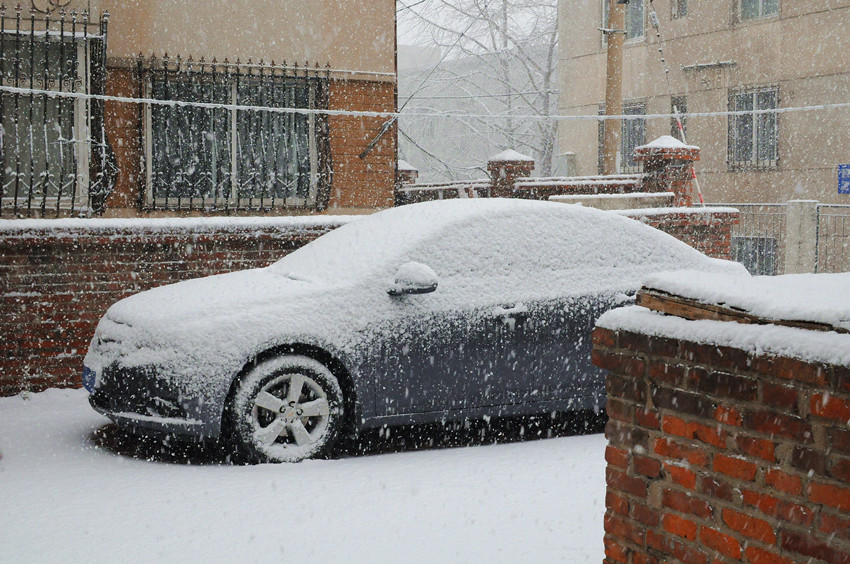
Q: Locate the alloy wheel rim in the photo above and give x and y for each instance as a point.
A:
(290, 411)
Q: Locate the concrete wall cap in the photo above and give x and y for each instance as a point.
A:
(510, 155)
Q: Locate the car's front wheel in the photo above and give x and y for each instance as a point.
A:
(286, 409)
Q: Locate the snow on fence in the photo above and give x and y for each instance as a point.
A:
(58, 277)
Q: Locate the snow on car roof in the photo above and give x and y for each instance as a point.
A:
(820, 298)
(360, 246)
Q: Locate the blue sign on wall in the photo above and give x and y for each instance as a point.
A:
(844, 179)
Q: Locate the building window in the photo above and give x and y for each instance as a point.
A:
(222, 158)
(753, 137)
(634, 19)
(678, 106)
(632, 136)
(679, 8)
(754, 9)
(50, 147)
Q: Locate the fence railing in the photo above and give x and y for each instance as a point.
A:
(758, 241)
(833, 238)
(54, 157)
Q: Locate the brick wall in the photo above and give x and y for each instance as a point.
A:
(369, 182)
(717, 455)
(707, 230)
(57, 281)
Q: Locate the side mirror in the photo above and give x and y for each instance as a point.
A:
(414, 278)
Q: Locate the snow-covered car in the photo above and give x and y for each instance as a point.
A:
(428, 312)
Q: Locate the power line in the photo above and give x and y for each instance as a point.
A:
(445, 115)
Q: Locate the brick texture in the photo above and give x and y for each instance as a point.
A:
(722, 455)
(56, 284)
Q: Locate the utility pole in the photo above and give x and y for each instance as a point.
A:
(616, 34)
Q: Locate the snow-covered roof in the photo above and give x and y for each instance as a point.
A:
(667, 142)
(404, 165)
(819, 298)
(510, 155)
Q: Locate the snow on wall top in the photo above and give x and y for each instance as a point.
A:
(404, 165)
(812, 346)
(510, 155)
(821, 298)
(23, 227)
(667, 142)
(675, 210)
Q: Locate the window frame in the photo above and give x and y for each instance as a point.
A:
(754, 162)
(678, 9)
(628, 40)
(236, 199)
(761, 11)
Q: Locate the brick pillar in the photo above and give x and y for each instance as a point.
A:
(506, 167)
(407, 173)
(668, 166)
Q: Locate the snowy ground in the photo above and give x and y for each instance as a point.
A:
(65, 497)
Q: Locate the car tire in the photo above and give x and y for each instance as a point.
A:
(285, 409)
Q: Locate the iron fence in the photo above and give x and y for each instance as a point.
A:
(758, 240)
(54, 155)
(833, 238)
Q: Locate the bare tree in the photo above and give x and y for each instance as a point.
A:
(499, 58)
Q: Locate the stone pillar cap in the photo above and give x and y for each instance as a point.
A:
(667, 146)
(510, 156)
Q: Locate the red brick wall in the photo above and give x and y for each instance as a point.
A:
(709, 232)
(368, 182)
(56, 283)
(717, 455)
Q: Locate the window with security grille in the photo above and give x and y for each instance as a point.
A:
(679, 8)
(50, 146)
(754, 9)
(212, 157)
(634, 19)
(753, 136)
(632, 136)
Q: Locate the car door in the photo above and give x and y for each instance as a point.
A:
(544, 349)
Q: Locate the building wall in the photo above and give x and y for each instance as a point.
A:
(58, 277)
(354, 41)
(798, 51)
(720, 455)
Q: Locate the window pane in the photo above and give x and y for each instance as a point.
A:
(191, 145)
(749, 9)
(634, 135)
(743, 132)
(770, 7)
(680, 8)
(767, 142)
(634, 19)
(37, 147)
(274, 148)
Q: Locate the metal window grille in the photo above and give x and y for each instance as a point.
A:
(755, 9)
(753, 138)
(54, 154)
(632, 135)
(679, 9)
(759, 237)
(227, 159)
(833, 238)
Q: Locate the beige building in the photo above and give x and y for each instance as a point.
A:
(77, 154)
(740, 55)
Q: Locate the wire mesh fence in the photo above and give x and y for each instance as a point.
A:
(758, 241)
(833, 238)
